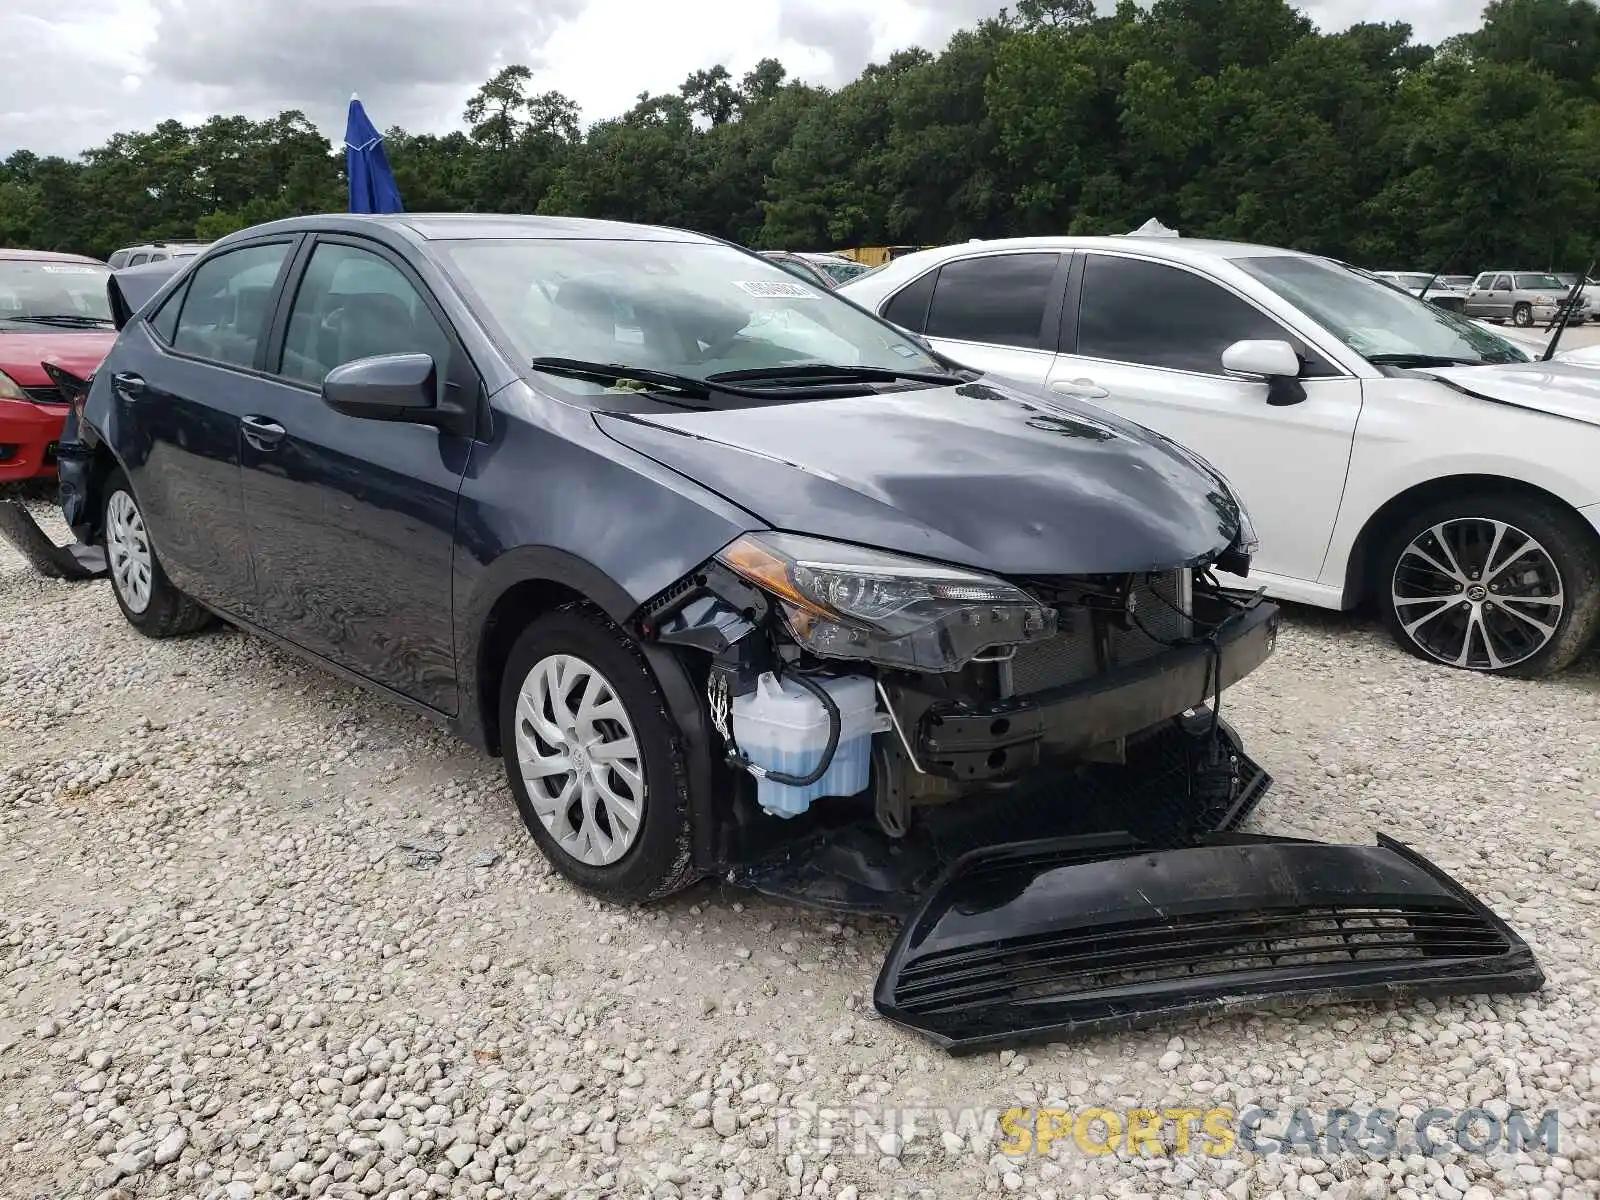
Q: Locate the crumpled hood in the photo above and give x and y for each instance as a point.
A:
(79, 351)
(1561, 388)
(983, 475)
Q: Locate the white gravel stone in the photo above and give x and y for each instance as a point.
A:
(170, 1148)
(216, 967)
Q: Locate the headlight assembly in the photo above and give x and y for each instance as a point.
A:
(851, 602)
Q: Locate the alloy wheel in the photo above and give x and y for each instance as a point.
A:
(128, 549)
(579, 759)
(1477, 593)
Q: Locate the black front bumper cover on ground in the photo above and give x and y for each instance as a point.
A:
(1041, 940)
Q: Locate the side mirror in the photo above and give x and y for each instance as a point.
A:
(1276, 362)
(386, 387)
(1264, 359)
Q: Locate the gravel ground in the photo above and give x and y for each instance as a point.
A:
(261, 934)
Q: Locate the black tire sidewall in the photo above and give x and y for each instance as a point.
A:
(1570, 543)
(1518, 313)
(658, 862)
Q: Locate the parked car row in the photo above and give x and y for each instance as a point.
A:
(1523, 298)
(743, 579)
(1391, 452)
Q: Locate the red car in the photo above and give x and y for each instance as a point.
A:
(53, 307)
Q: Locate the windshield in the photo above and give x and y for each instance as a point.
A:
(1539, 283)
(1374, 320)
(690, 308)
(31, 289)
(840, 271)
(1415, 282)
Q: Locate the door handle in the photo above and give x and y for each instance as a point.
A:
(262, 433)
(1085, 389)
(129, 385)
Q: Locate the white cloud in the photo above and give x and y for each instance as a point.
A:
(74, 72)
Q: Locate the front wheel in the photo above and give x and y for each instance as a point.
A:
(1522, 316)
(595, 758)
(145, 595)
(1501, 584)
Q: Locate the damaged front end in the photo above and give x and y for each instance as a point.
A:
(909, 700)
(1034, 773)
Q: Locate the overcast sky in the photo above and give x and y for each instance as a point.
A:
(73, 72)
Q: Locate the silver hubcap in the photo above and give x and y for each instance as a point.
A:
(579, 759)
(128, 548)
(1478, 594)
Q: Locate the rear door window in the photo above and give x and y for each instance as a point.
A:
(228, 301)
(999, 299)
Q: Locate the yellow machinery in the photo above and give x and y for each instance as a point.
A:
(876, 256)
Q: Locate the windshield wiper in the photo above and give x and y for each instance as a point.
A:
(1422, 360)
(1566, 312)
(74, 319)
(822, 372)
(614, 374)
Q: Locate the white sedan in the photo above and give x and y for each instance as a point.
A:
(1389, 451)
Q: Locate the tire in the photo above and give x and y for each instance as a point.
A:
(1522, 316)
(597, 852)
(1562, 561)
(145, 595)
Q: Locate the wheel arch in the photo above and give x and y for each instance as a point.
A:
(1361, 568)
(533, 581)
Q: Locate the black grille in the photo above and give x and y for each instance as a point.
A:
(1083, 963)
(8, 451)
(45, 395)
(1037, 939)
(1070, 656)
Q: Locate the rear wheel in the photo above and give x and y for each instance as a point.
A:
(595, 758)
(1522, 315)
(146, 596)
(1501, 584)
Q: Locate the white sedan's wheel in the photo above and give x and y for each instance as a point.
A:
(1478, 594)
(128, 552)
(579, 759)
(1502, 583)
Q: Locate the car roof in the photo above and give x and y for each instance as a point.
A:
(50, 256)
(1182, 250)
(434, 227)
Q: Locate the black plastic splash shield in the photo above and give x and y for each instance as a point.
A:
(1042, 940)
(76, 562)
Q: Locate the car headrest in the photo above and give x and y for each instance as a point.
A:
(374, 323)
(250, 308)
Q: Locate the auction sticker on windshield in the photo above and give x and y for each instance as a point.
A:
(69, 269)
(776, 289)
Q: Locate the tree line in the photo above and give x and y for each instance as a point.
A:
(1223, 118)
